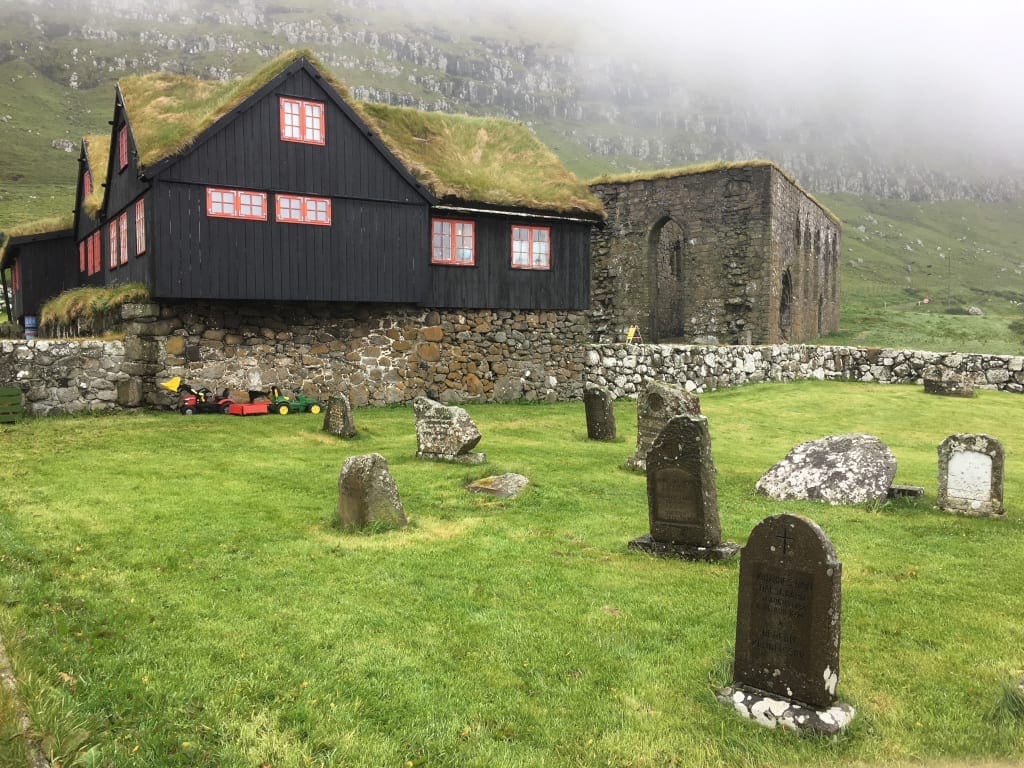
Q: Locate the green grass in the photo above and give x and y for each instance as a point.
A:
(173, 592)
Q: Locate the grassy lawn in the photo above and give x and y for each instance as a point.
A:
(173, 593)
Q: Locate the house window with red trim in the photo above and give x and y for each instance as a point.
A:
(302, 121)
(236, 204)
(140, 227)
(453, 242)
(112, 242)
(86, 184)
(96, 252)
(122, 226)
(304, 210)
(83, 255)
(531, 247)
(122, 147)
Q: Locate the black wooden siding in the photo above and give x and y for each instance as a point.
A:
(371, 252)
(493, 283)
(139, 266)
(49, 265)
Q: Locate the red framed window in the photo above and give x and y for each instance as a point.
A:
(304, 210)
(453, 242)
(140, 227)
(302, 121)
(531, 247)
(86, 184)
(83, 255)
(236, 204)
(96, 258)
(16, 277)
(112, 242)
(122, 147)
(122, 226)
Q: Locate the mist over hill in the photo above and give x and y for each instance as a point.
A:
(609, 88)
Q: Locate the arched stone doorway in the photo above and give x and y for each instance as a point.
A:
(667, 269)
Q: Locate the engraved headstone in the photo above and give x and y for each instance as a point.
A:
(971, 475)
(367, 494)
(786, 668)
(682, 495)
(600, 408)
(445, 433)
(338, 417)
(658, 402)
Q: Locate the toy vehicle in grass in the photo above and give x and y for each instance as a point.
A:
(300, 403)
(201, 400)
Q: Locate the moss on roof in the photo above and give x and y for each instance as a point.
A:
(97, 153)
(693, 170)
(485, 160)
(53, 224)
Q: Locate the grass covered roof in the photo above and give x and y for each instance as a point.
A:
(51, 225)
(458, 158)
(97, 153)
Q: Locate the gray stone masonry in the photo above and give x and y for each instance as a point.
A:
(64, 376)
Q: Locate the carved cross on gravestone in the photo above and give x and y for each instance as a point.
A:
(786, 668)
(682, 495)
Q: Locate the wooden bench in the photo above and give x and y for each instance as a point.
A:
(10, 404)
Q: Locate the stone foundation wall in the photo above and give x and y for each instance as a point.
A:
(624, 368)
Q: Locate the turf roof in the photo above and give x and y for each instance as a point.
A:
(53, 225)
(458, 158)
(97, 152)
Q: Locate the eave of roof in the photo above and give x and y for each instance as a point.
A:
(43, 229)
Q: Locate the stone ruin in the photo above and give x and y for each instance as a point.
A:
(658, 402)
(971, 475)
(839, 469)
(788, 617)
(368, 494)
(445, 433)
(682, 495)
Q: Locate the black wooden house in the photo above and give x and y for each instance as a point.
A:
(283, 188)
(40, 266)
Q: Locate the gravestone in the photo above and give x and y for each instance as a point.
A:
(682, 495)
(839, 469)
(445, 433)
(506, 486)
(943, 381)
(367, 494)
(971, 475)
(786, 668)
(658, 402)
(600, 409)
(338, 417)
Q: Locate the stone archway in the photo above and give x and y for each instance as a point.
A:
(786, 307)
(667, 273)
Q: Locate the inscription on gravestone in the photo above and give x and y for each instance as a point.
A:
(676, 498)
(971, 475)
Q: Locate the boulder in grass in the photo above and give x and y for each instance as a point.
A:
(368, 494)
(505, 486)
(445, 433)
(839, 469)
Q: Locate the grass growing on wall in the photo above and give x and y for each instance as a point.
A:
(89, 310)
(176, 594)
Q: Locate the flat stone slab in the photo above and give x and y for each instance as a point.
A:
(505, 486)
(723, 551)
(905, 491)
(774, 712)
(839, 469)
(471, 459)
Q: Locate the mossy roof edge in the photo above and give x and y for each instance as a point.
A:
(710, 167)
(52, 225)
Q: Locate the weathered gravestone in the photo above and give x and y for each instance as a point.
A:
(506, 486)
(445, 433)
(839, 469)
(658, 402)
(338, 417)
(943, 381)
(600, 409)
(971, 475)
(682, 495)
(367, 494)
(786, 668)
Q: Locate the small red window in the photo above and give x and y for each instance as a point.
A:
(304, 210)
(122, 147)
(112, 238)
(16, 277)
(453, 242)
(140, 227)
(236, 204)
(96, 248)
(87, 184)
(83, 255)
(531, 247)
(122, 226)
(302, 121)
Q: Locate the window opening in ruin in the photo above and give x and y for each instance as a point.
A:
(786, 306)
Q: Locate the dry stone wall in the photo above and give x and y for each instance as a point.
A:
(64, 376)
